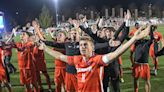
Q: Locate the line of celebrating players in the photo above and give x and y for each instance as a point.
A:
(84, 61)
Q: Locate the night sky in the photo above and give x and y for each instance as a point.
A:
(33, 7)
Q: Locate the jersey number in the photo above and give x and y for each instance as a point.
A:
(83, 77)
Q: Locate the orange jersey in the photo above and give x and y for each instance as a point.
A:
(132, 32)
(1, 64)
(58, 63)
(25, 57)
(7, 51)
(2, 70)
(39, 59)
(132, 48)
(20, 59)
(158, 37)
(89, 73)
(38, 54)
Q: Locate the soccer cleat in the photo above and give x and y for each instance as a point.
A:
(155, 72)
(49, 90)
(10, 85)
(121, 80)
(153, 68)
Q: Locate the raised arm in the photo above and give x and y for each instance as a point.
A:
(55, 54)
(38, 32)
(151, 37)
(55, 44)
(50, 32)
(119, 30)
(84, 27)
(13, 34)
(124, 35)
(124, 28)
(101, 45)
(92, 35)
(108, 58)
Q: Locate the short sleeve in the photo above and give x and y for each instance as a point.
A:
(132, 48)
(99, 60)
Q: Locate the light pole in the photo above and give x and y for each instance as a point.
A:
(56, 11)
(150, 10)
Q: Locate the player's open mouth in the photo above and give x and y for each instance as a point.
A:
(83, 51)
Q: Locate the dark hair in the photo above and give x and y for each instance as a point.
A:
(110, 29)
(28, 33)
(136, 23)
(81, 16)
(153, 27)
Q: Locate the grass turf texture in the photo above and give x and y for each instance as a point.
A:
(156, 82)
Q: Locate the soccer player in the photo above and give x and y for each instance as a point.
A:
(140, 64)
(41, 67)
(134, 29)
(3, 77)
(88, 65)
(40, 61)
(60, 67)
(112, 70)
(132, 47)
(160, 52)
(7, 53)
(155, 46)
(26, 62)
(71, 48)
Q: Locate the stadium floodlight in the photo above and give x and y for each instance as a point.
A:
(56, 10)
(1, 20)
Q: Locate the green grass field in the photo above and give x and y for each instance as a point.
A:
(157, 83)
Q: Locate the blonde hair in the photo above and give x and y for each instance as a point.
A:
(86, 38)
(76, 30)
(62, 31)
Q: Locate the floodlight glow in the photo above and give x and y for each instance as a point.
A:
(1, 22)
(56, 10)
(56, 1)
